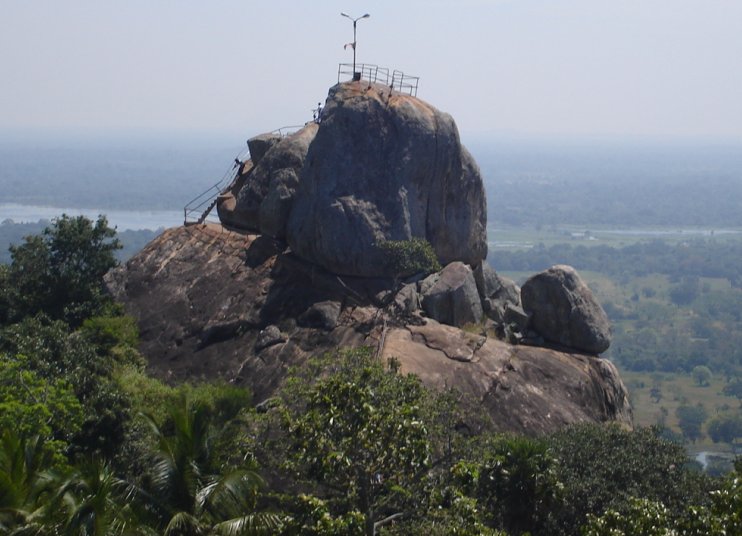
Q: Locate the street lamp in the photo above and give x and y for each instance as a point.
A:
(353, 44)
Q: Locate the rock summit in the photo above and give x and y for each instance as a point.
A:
(380, 166)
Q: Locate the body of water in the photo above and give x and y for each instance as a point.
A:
(121, 219)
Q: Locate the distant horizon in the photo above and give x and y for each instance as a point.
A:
(216, 137)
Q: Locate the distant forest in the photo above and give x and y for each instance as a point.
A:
(527, 183)
(154, 174)
(673, 306)
(612, 185)
(692, 259)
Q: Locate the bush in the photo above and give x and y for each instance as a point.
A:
(725, 428)
(32, 405)
(603, 467)
(153, 397)
(409, 257)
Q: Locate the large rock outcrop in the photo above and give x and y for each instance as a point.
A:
(265, 194)
(386, 166)
(380, 166)
(564, 310)
(451, 297)
(214, 303)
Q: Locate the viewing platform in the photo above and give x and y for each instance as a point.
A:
(397, 80)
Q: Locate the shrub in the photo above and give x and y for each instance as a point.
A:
(409, 257)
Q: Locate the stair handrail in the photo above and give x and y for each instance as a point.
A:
(288, 130)
(209, 196)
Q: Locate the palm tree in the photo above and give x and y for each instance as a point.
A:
(23, 483)
(519, 482)
(94, 502)
(190, 498)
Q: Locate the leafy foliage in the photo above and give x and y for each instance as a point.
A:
(60, 272)
(603, 467)
(702, 375)
(35, 405)
(23, 482)
(515, 482)
(691, 419)
(644, 517)
(188, 493)
(55, 354)
(734, 388)
(92, 500)
(361, 432)
(410, 257)
(725, 428)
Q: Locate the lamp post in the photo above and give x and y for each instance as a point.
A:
(355, 21)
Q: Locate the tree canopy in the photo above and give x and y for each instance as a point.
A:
(60, 272)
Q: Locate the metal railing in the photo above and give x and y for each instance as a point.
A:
(368, 72)
(405, 83)
(287, 131)
(399, 81)
(197, 210)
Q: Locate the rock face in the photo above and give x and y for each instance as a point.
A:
(524, 389)
(263, 200)
(214, 303)
(450, 296)
(260, 144)
(385, 166)
(564, 310)
(498, 293)
(324, 204)
(380, 166)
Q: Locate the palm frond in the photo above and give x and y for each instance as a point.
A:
(230, 495)
(251, 525)
(184, 524)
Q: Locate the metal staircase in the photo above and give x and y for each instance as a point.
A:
(206, 212)
(197, 210)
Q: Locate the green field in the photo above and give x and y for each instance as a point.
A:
(676, 390)
(508, 238)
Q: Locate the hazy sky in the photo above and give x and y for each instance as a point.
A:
(623, 68)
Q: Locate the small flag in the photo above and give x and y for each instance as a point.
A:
(352, 45)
